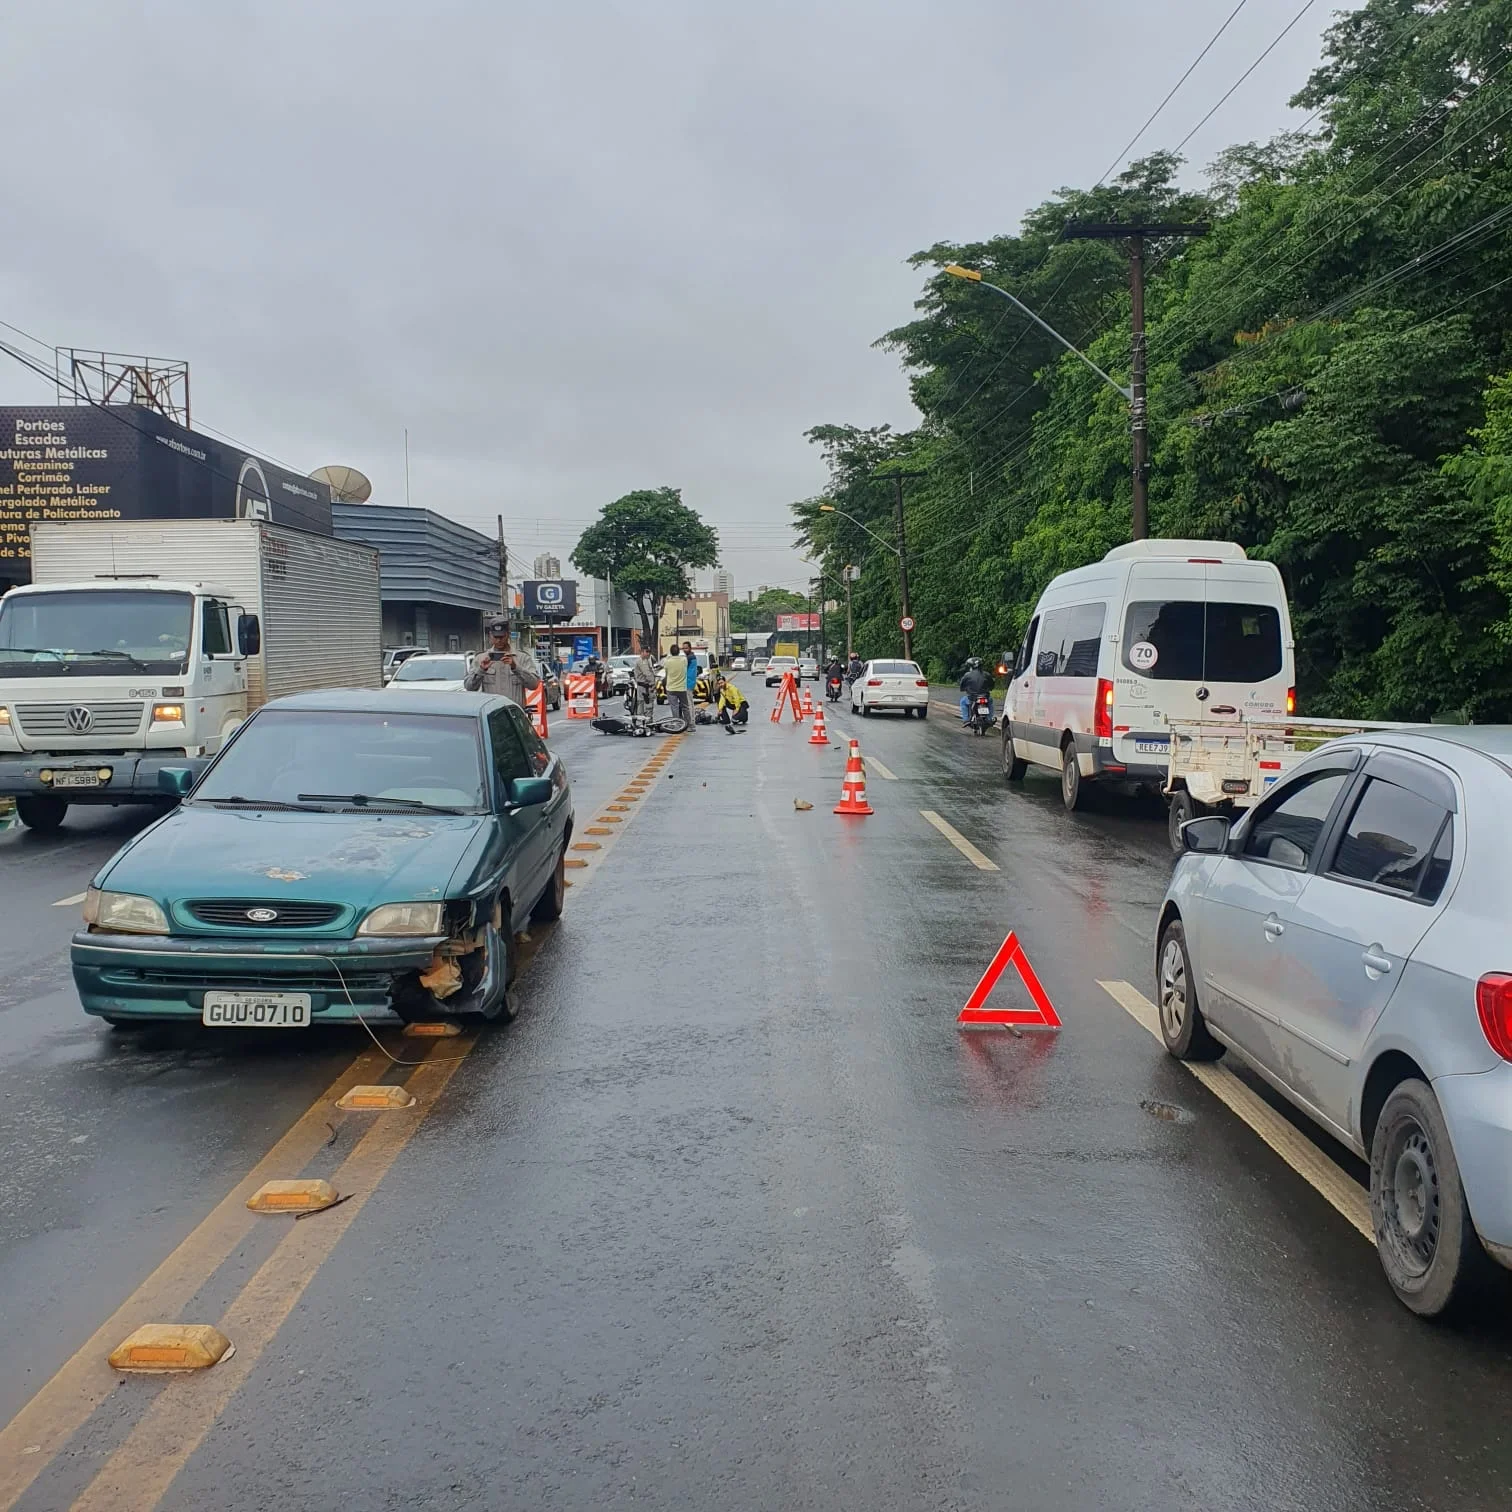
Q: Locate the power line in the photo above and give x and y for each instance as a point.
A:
(1247, 72)
(1191, 68)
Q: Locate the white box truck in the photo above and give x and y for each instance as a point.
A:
(143, 644)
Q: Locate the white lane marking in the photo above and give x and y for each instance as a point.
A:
(961, 843)
(1335, 1186)
(72, 902)
(873, 765)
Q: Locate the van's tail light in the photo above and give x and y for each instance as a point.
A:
(1291, 700)
(1103, 719)
(873, 682)
(1493, 1001)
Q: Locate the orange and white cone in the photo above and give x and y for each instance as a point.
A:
(853, 788)
(808, 703)
(820, 737)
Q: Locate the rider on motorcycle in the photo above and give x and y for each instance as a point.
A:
(853, 668)
(834, 674)
(976, 682)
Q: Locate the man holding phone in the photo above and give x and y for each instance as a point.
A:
(498, 670)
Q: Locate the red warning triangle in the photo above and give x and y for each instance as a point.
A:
(1043, 1014)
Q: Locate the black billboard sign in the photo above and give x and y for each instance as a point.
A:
(123, 462)
(550, 600)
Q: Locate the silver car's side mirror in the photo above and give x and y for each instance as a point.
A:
(1207, 836)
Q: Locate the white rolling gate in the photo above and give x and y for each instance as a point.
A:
(1227, 765)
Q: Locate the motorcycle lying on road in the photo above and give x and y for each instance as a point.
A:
(638, 720)
(979, 720)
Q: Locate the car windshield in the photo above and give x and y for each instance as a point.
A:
(1186, 640)
(131, 629)
(390, 758)
(432, 669)
(894, 669)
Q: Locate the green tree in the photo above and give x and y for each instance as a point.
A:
(760, 613)
(647, 543)
(1328, 375)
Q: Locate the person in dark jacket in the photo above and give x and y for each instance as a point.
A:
(976, 681)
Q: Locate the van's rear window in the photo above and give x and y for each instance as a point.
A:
(1187, 641)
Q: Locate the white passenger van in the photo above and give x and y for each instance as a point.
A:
(1156, 631)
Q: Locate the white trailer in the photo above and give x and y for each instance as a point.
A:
(143, 644)
(1218, 765)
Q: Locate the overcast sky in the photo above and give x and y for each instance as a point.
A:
(577, 247)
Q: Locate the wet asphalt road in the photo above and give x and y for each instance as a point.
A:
(734, 1216)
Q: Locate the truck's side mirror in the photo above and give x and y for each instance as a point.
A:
(248, 634)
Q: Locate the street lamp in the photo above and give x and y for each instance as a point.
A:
(1140, 525)
(900, 551)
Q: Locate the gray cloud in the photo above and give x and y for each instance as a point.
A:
(575, 248)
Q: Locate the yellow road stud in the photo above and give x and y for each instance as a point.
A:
(623, 806)
(598, 829)
(574, 862)
(292, 1197)
(156, 1348)
(431, 1031)
(610, 819)
(376, 1097)
(587, 844)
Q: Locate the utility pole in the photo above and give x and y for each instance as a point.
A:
(898, 478)
(850, 634)
(503, 570)
(1133, 237)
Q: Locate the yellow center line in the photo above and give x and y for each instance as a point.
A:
(961, 843)
(65, 1403)
(1340, 1190)
(139, 1472)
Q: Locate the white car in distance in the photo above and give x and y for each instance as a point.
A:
(780, 666)
(436, 674)
(891, 685)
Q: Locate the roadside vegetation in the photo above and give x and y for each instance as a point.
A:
(1330, 380)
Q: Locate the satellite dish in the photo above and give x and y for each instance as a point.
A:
(347, 485)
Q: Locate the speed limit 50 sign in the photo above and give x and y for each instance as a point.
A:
(906, 623)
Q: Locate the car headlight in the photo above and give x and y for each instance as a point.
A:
(123, 913)
(403, 919)
(4, 717)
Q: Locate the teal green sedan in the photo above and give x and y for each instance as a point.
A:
(348, 855)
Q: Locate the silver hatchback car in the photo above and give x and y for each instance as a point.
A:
(1349, 939)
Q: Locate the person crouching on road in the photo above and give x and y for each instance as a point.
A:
(675, 670)
(731, 708)
(498, 670)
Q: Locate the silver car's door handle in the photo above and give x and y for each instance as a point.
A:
(1274, 928)
(1375, 961)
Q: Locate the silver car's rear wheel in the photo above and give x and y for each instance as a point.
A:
(1424, 1234)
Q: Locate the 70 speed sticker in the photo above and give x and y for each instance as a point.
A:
(1143, 656)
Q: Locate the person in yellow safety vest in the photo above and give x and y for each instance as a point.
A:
(730, 707)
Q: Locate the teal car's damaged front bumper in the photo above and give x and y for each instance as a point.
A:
(122, 976)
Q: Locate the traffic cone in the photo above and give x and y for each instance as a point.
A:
(820, 737)
(808, 703)
(853, 788)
